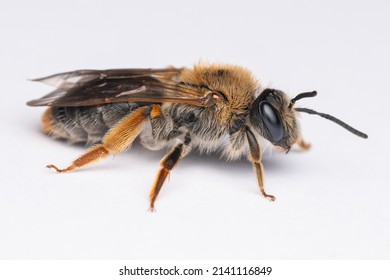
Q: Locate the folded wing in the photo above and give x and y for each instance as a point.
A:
(94, 87)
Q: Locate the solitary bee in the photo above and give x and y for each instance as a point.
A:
(208, 107)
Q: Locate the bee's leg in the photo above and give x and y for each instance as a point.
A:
(115, 141)
(255, 158)
(167, 164)
(304, 146)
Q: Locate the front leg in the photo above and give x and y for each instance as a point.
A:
(255, 158)
(304, 146)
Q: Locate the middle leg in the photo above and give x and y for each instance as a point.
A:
(167, 164)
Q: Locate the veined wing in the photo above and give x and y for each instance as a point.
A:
(94, 87)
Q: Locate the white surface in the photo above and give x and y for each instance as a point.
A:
(332, 202)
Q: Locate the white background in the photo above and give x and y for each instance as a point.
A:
(332, 202)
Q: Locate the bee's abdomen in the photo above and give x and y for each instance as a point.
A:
(84, 124)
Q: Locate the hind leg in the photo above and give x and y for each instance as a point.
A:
(115, 141)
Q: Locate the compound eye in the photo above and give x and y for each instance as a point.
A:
(271, 120)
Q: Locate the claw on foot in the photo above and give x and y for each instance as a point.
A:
(270, 197)
(304, 146)
(60, 170)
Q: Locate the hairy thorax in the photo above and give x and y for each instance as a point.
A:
(218, 127)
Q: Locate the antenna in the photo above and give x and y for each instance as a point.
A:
(302, 95)
(331, 118)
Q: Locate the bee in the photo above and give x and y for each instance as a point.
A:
(209, 107)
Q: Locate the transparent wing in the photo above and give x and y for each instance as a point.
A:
(94, 87)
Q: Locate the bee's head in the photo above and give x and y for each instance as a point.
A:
(273, 116)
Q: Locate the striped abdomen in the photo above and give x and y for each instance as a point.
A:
(84, 124)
